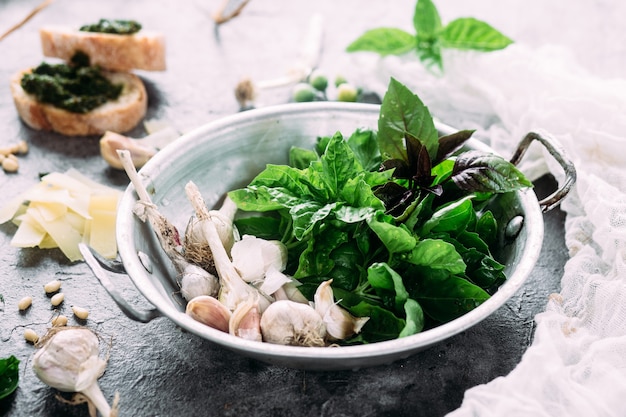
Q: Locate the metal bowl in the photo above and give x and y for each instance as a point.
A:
(227, 154)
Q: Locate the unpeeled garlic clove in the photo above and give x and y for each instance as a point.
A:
(245, 322)
(340, 324)
(111, 142)
(208, 310)
(286, 322)
(196, 281)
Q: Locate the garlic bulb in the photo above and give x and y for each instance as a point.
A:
(253, 256)
(208, 310)
(69, 362)
(339, 323)
(287, 322)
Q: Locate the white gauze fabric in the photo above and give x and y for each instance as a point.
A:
(576, 364)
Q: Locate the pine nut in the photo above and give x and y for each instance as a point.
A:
(31, 336)
(52, 286)
(24, 303)
(57, 299)
(81, 313)
(59, 320)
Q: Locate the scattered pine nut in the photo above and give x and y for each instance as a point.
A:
(81, 313)
(52, 286)
(31, 336)
(57, 299)
(10, 164)
(24, 303)
(59, 320)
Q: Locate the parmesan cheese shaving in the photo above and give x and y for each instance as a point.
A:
(63, 210)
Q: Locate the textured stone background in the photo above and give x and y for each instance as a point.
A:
(158, 369)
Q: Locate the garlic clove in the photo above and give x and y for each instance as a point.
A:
(208, 310)
(290, 291)
(111, 142)
(196, 281)
(340, 324)
(245, 322)
(286, 322)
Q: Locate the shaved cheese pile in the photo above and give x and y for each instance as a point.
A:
(62, 211)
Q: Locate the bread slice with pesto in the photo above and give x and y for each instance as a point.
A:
(119, 114)
(143, 50)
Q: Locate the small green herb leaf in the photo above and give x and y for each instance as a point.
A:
(9, 375)
(486, 172)
(402, 114)
(426, 20)
(384, 41)
(472, 34)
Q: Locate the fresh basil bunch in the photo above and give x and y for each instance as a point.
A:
(395, 217)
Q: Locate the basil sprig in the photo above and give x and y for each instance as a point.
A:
(395, 217)
(466, 33)
(9, 375)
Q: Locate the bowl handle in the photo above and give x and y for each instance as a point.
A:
(96, 262)
(558, 153)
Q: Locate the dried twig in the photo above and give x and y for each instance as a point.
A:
(223, 16)
(36, 10)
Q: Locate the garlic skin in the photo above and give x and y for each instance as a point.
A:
(208, 310)
(287, 322)
(339, 323)
(253, 257)
(69, 362)
(139, 153)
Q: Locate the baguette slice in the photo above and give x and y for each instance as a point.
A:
(119, 115)
(143, 50)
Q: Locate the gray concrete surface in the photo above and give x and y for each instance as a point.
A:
(158, 369)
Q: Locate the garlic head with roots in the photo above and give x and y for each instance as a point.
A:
(340, 324)
(287, 322)
(69, 361)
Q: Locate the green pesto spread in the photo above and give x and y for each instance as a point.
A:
(76, 87)
(118, 27)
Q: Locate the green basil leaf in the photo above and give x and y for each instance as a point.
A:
(365, 147)
(453, 217)
(388, 285)
(436, 254)
(396, 238)
(315, 260)
(358, 193)
(264, 227)
(403, 114)
(445, 297)
(426, 20)
(301, 158)
(382, 324)
(339, 165)
(473, 34)
(384, 41)
(9, 375)
(487, 228)
(414, 318)
(487, 172)
(307, 214)
(262, 199)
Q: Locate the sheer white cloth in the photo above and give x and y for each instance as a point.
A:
(575, 88)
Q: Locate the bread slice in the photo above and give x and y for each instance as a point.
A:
(143, 50)
(119, 115)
